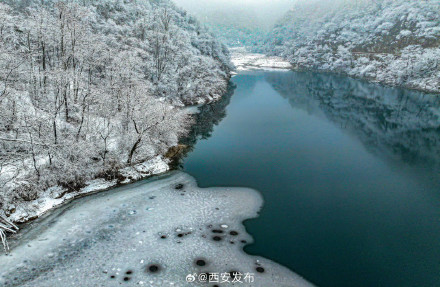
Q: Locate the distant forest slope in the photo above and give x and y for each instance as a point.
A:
(395, 42)
(235, 27)
(89, 87)
(238, 23)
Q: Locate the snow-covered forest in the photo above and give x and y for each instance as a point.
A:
(88, 88)
(395, 42)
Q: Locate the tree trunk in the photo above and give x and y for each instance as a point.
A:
(133, 150)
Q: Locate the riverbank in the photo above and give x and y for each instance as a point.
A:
(245, 61)
(53, 197)
(362, 72)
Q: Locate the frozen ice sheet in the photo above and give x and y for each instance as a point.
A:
(151, 233)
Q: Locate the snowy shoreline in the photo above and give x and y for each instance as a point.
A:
(412, 87)
(245, 61)
(57, 196)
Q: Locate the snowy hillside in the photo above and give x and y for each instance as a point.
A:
(395, 42)
(88, 88)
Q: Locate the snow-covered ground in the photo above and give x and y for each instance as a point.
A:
(56, 196)
(244, 61)
(156, 233)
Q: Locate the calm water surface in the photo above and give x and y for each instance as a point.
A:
(349, 172)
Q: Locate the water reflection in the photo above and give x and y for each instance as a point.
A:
(402, 125)
(209, 116)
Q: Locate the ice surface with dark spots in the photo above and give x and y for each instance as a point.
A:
(122, 237)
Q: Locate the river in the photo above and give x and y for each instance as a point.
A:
(349, 172)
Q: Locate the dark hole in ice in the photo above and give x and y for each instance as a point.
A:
(153, 268)
(113, 276)
(163, 237)
(126, 278)
(179, 186)
(217, 231)
(129, 272)
(216, 238)
(233, 233)
(232, 242)
(152, 197)
(180, 235)
(260, 269)
(215, 286)
(200, 262)
(244, 241)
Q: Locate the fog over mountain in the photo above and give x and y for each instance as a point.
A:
(264, 13)
(238, 23)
